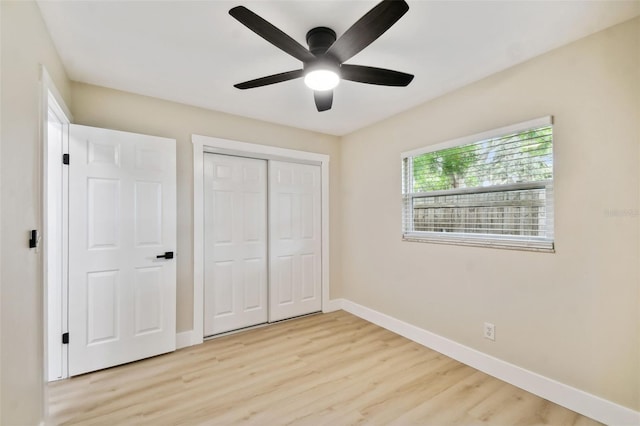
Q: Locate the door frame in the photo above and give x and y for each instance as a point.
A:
(51, 99)
(207, 144)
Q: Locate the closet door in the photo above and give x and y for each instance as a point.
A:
(294, 240)
(235, 276)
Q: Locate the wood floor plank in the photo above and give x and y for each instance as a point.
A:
(333, 369)
(452, 404)
(327, 395)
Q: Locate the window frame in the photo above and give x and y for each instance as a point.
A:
(529, 243)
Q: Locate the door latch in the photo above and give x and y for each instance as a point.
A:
(166, 255)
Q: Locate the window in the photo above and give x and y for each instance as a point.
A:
(493, 189)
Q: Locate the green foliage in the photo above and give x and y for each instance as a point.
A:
(528, 157)
(521, 157)
(446, 168)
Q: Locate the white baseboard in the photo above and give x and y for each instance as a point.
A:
(187, 338)
(574, 399)
(184, 339)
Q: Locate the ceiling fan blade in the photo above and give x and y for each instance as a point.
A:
(324, 99)
(270, 33)
(270, 79)
(368, 28)
(372, 75)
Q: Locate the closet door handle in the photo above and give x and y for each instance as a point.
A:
(166, 255)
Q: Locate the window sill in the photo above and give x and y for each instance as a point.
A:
(541, 245)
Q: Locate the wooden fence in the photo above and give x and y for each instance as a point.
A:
(519, 212)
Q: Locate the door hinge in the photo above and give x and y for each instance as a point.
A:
(65, 159)
(33, 238)
(65, 338)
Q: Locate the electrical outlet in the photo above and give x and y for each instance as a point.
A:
(489, 331)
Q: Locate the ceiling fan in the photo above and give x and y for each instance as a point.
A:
(323, 63)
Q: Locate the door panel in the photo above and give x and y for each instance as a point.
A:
(149, 307)
(307, 276)
(102, 306)
(148, 213)
(295, 242)
(102, 216)
(235, 290)
(122, 199)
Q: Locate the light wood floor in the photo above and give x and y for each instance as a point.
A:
(327, 369)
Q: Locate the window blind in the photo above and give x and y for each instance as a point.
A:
(493, 189)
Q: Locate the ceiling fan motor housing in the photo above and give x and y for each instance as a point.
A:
(319, 40)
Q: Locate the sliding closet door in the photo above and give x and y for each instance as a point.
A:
(294, 240)
(235, 281)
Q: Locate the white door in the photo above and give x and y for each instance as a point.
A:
(122, 215)
(295, 242)
(235, 247)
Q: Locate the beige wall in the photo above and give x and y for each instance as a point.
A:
(25, 45)
(100, 107)
(572, 316)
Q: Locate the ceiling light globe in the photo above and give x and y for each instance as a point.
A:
(321, 80)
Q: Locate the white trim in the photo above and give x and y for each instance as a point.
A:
(542, 245)
(184, 339)
(47, 84)
(50, 98)
(489, 134)
(202, 144)
(231, 147)
(574, 399)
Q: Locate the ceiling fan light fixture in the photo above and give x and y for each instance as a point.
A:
(324, 61)
(321, 79)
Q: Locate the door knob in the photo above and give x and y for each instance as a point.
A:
(166, 255)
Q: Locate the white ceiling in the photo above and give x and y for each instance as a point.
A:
(193, 51)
